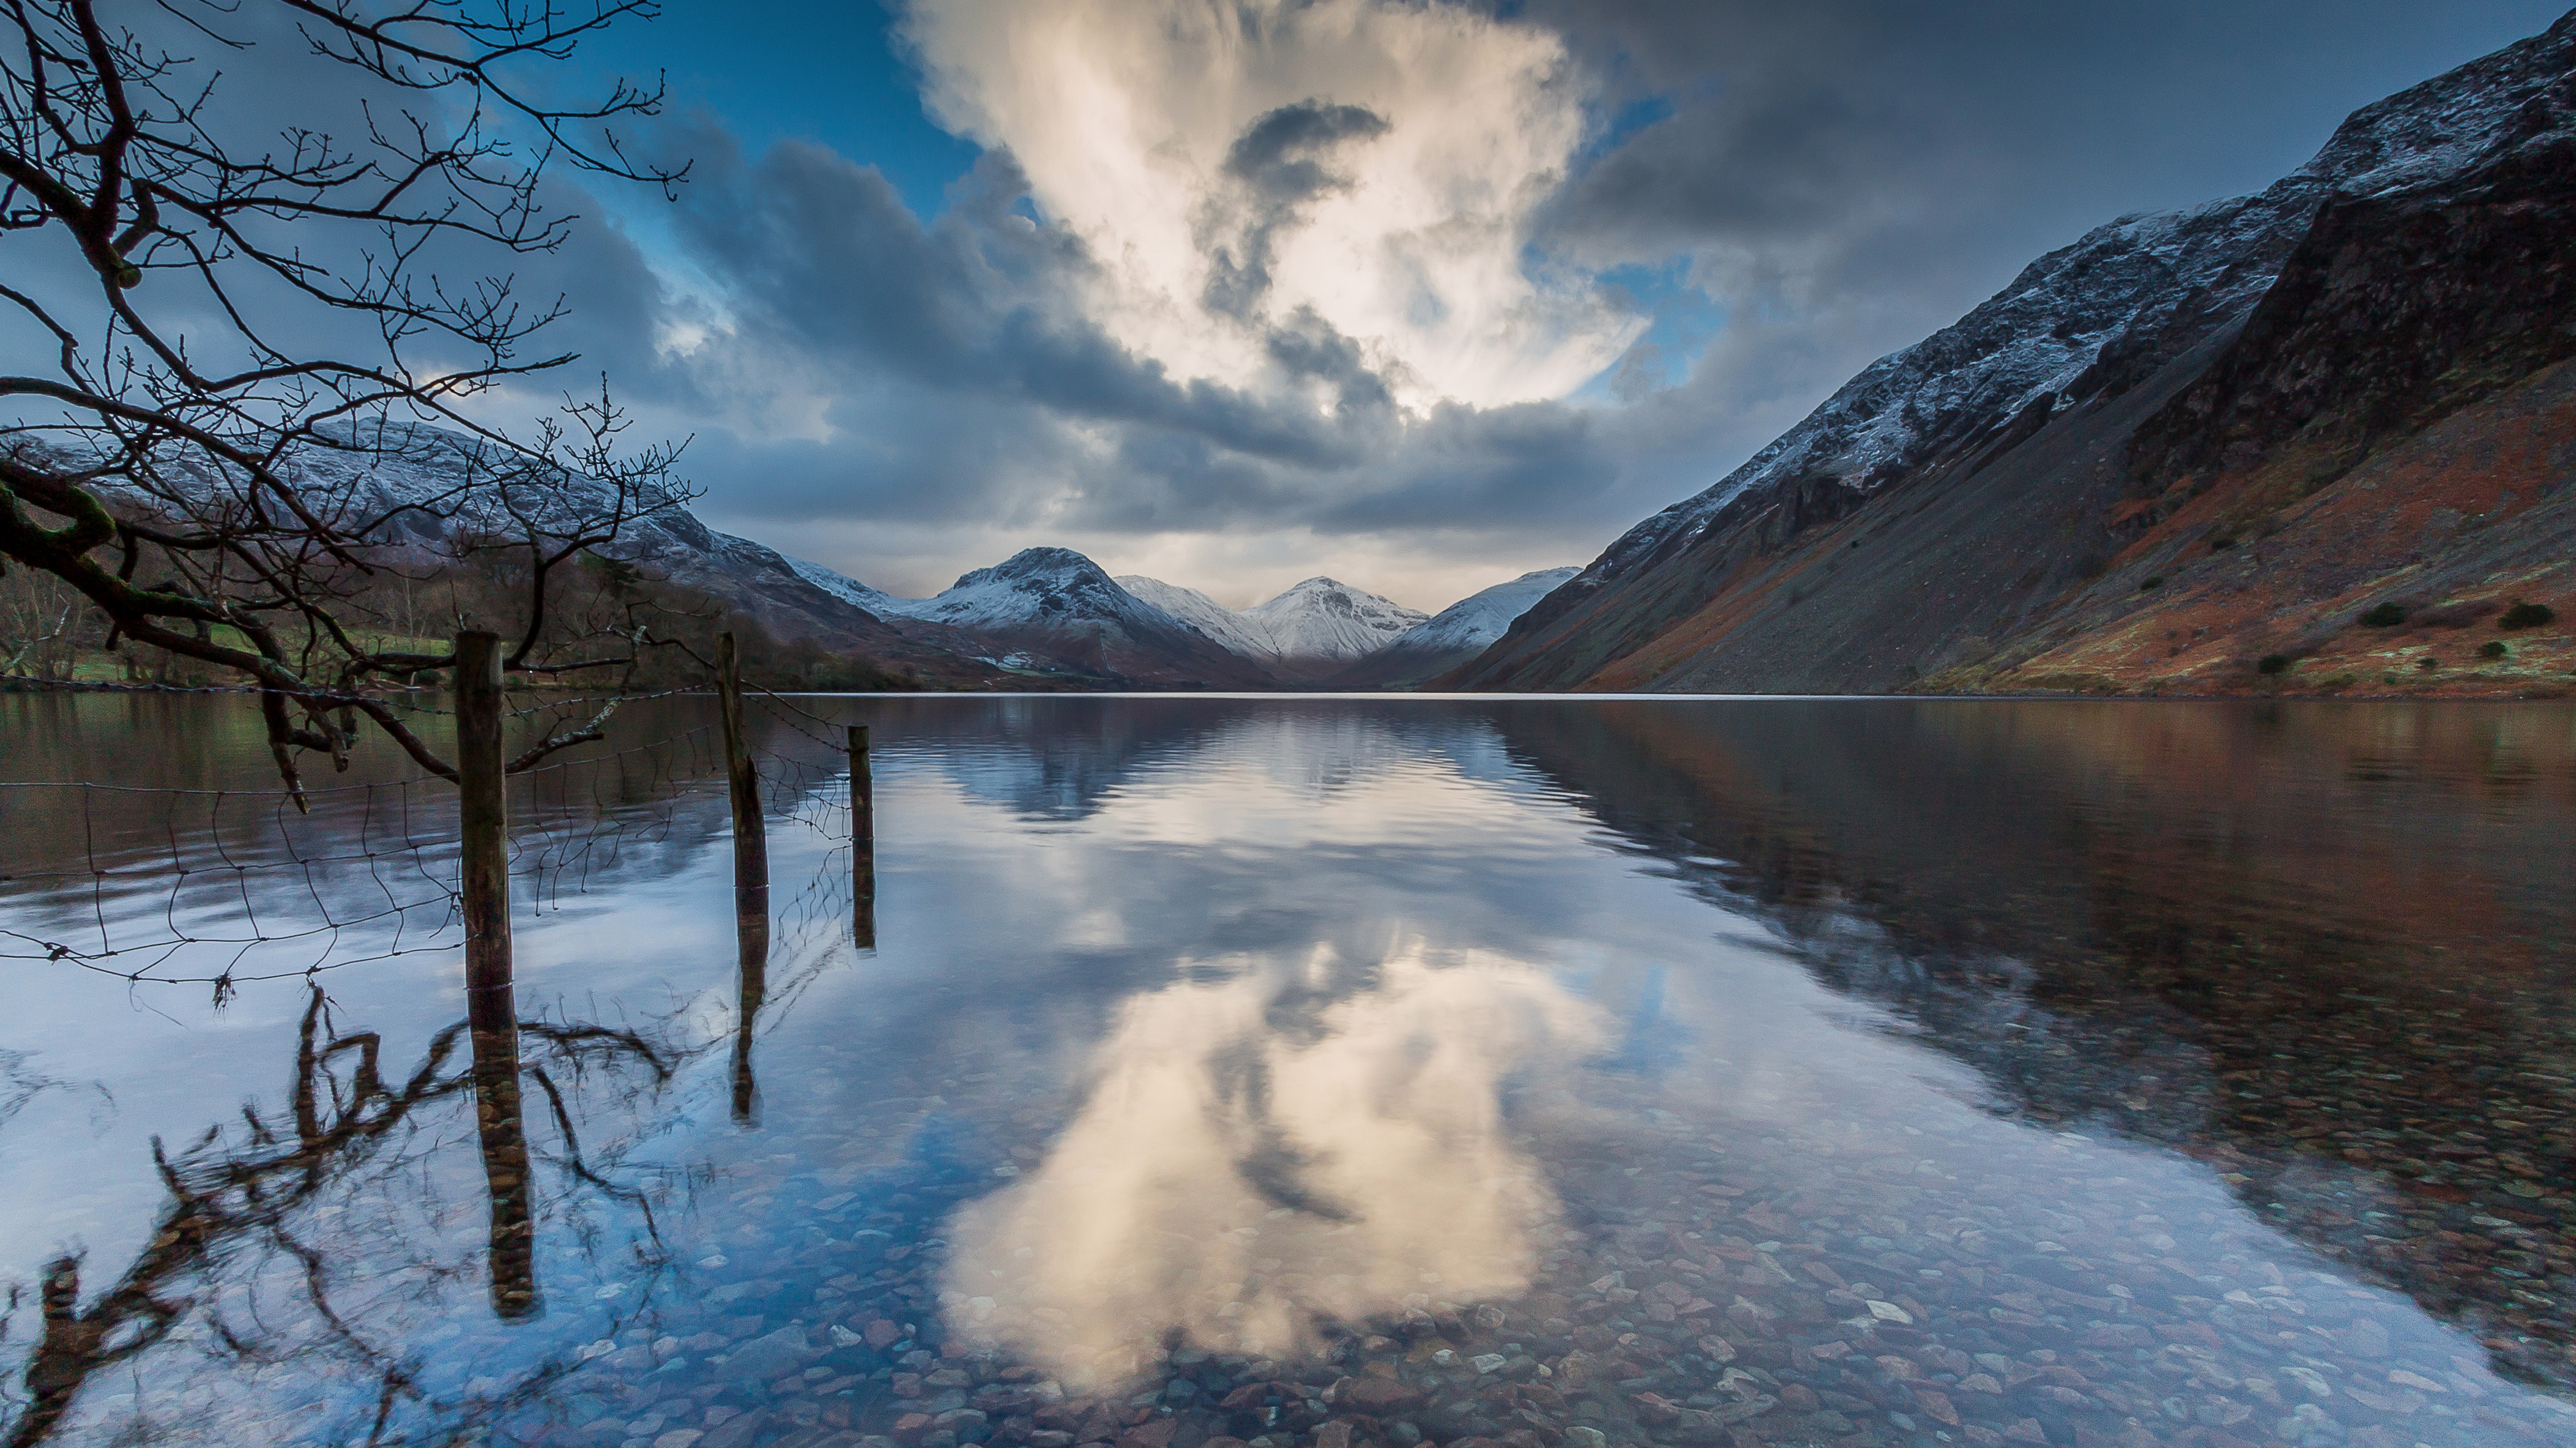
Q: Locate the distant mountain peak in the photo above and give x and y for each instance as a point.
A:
(1230, 629)
(1041, 562)
(1325, 618)
(1320, 629)
(1054, 610)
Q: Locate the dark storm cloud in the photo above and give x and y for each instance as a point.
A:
(966, 384)
(1277, 166)
(1985, 131)
(824, 264)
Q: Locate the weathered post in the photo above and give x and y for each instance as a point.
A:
(750, 841)
(863, 842)
(750, 882)
(483, 818)
(491, 1007)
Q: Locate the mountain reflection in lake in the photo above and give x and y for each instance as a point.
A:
(1342, 1072)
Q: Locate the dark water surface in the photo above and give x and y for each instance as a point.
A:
(1315, 1072)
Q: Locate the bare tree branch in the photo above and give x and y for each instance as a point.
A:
(239, 489)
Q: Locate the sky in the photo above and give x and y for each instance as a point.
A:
(1421, 294)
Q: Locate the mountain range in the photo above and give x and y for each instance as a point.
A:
(2318, 438)
(1053, 614)
(1042, 618)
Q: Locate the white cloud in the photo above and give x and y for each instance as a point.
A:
(1401, 217)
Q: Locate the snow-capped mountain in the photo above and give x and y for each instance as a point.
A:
(1034, 585)
(1322, 618)
(2127, 296)
(1477, 620)
(1453, 635)
(1052, 610)
(1303, 634)
(2038, 390)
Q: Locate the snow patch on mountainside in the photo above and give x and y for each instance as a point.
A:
(1321, 618)
(1473, 623)
(842, 586)
(1228, 627)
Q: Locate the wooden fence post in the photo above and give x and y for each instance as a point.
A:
(491, 1007)
(483, 818)
(863, 842)
(750, 840)
(750, 881)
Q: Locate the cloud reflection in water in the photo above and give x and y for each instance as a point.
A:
(1256, 1155)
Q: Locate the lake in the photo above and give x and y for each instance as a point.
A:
(1548, 1073)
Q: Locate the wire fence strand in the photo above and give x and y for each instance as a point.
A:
(219, 887)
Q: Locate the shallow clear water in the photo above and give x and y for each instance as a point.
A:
(1320, 1071)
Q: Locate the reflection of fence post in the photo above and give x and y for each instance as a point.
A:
(751, 985)
(491, 1009)
(505, 1174)
(750, 880)
(863, 842)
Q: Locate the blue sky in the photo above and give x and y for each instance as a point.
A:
(828, 73)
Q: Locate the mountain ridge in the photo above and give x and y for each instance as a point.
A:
(1452, 636)
(1968, 483)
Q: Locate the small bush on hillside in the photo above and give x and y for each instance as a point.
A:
(2526, 615)
(2154, 580)
(2386, 615)
(2274, 664)
(2492, 649)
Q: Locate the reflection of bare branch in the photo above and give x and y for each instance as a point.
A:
(19, 1086)
(224, 1204)
(572, 1161)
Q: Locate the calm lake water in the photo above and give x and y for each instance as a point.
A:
(1317, 1072)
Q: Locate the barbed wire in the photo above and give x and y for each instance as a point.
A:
(221, 888)
(402, 699)
(102, 686)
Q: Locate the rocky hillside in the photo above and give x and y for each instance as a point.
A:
(2189, 452)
